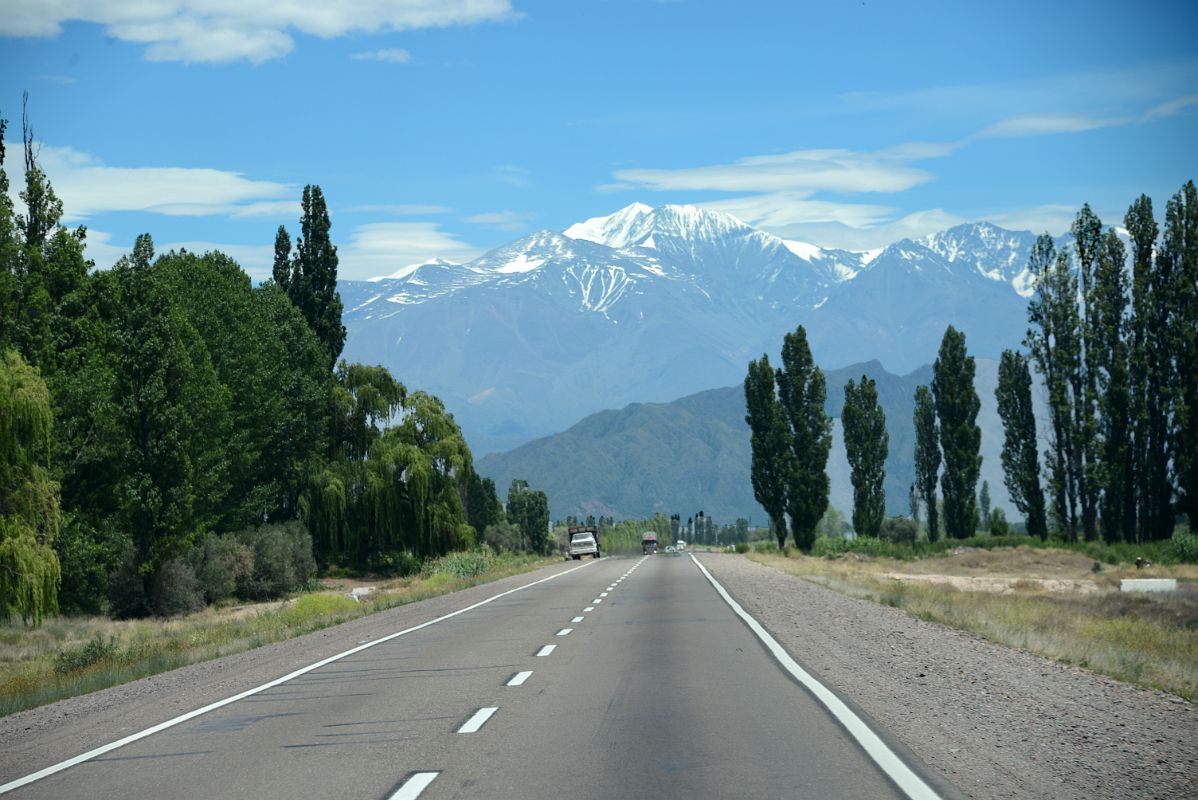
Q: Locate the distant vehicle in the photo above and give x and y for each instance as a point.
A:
(649, 543)
(669, 548)
(680, 546)
(584, 541)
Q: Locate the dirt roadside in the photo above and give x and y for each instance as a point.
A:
(993, 721)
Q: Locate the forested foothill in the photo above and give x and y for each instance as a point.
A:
(1113, 338)
(172, 435)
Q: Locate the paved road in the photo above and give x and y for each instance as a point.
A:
(653, 688)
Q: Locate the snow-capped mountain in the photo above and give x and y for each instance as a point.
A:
(649, 304)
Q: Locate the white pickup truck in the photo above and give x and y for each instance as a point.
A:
(584, 541)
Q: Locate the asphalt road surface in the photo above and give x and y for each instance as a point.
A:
(624, 678)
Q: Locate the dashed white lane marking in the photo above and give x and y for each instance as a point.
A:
(519, 678)
(565, 631)
(478, 720)
(910, 783)
(603, 594)
(578, 619)
(170, 723)
(588, 608)
(414, 785)
(597, 600)
(546, 650)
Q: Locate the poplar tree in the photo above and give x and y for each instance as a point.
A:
(1020, 459)
(9, 252)
(767, 428)
(313, 286)
(867, 445)
(927, 457)
(802, 392)
(282, 266)
(1052, 339)
(1149, 376)
(984, 506)
(1108, 298)
(1180, 250)
(1087, 233)
(957, 406)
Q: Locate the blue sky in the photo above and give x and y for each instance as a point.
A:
(446, 127)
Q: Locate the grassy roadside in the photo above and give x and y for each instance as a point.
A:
(70, 656)
(1049, 602)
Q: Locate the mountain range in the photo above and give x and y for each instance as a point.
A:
(694, 453)
(652, 304)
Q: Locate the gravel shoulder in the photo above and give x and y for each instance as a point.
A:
(993, 721)
(39, 737)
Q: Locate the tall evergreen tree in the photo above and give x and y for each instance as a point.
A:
(1108, 299)
(1180, 249)
(1149, 376)
(1052, 340)
(867, 445)
(957, 406)
(1087, 232)
(767, 427)
(802, 392)
(1020, 459)
(313, 286)
(984, 506)
(927, 457)
(282, 266)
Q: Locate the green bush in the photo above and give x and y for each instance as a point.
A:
(463, 565)
(73, 659)
(502, 537)
(830, 546)
(998, 523)
(176, 590)
(898, 529)
(742, 547)
(220, 563)
(126, 587)
(314, 607)
(283, 560)
(1185, 547)
(398, 563)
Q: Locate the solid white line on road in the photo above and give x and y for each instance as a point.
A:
(414, 785)
(578, 619)
(565, 631)
(478, 720)
(910, 783)
(170, 723)
(519, 678)
(546, 650)
(588, 608)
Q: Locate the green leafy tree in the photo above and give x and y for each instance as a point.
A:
(1180, 250)
(1087, 232)
(1150, 375)
(867, 445)
(528, 509)
(10, 249)
(29, 500)
(984, 506)
(1052, 340)
(281, 272)
(767, 427)
(802, 393)
(313, 286)
(1110, 363)
(1020, 458)
(957, 406)
(927, 457)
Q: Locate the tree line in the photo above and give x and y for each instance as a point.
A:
(1115, 341)
(171, 434)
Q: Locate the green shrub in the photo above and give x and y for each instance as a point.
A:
(1185, 547)
(283, 560)
(220, 563)
(314, 607)
(830, 546)
(742, 547)
(176, 590)
(502, 537)
(898, 529)
(463, 565)
(73, 659)
(127, 596)
(397, 563)
(998, 523)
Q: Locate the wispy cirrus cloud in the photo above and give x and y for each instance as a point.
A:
(219, 31)
(505, 220)
(381, 248)
(392, 55)
(400, 209)
(88, 187)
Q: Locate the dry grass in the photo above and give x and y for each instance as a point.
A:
(1150, 639)
(70, 656)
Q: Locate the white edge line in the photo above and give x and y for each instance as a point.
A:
(546, 650)
(414, 785)
(519, 678)
(170, 723)
(910, 783)
(477, 720)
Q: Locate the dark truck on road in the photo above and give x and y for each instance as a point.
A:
(649, 543)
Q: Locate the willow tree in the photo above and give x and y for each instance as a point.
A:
(29, 505)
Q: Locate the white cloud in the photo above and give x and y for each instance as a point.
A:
(782, 211)
(381, 248)
(400, 209)
(393, 55)
(506, 220)
(236, 30)
(834, 170)
(87, 187)
(256, 260)
(1042, 124)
